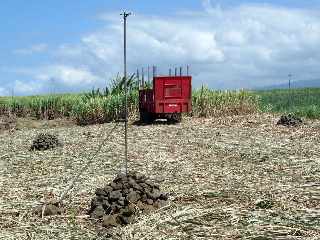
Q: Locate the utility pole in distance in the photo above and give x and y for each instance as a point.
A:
(289, 76)
(125, 15)
(290, 97)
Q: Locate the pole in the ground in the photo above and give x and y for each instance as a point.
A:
(125, 15)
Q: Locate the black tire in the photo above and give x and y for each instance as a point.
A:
(146, 117)
(174, 118)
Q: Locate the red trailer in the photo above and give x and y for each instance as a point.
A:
(169, 98)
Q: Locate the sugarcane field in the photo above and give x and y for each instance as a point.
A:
(172, 121)
(225, 178)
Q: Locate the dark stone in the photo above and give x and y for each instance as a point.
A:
(120, 177)
(137, 187)
(133, 197)
(144, 185)
(108, 189)
(144, 197)
(126, 191)
(149, 183)
(264, 204)
(107, 207)
(98, 212)
(160, 203)
(140, 177)
(109, 221)
(100, 192)
(155, 194)
(125, 185)
(115, 195)
(124, 219)
(126, 212)
(132, 182)
(115, 208)
(148, 208)
(94, 203)
(121, 202)
(149, 201)
(164, 196)
(116, 186)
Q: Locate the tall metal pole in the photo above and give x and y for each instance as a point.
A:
(125, 15)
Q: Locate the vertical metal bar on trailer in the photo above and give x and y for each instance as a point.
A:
(142, 77)
(138, 78)
(154, 71)
(148, 74)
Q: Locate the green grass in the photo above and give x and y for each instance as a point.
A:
(301, 102)
(100, 107)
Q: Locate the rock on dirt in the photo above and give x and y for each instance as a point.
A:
(48, 210)
(289, 120)
(264, 204)
(45, 141)
(119, 201)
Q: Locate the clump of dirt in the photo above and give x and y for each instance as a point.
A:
(50, 209)
(264, 204)
(45, 141)
(289, 120)
(8, 123)
(118, 202)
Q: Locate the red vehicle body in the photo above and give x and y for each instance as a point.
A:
(169, 98)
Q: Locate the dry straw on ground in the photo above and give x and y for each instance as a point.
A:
(214, 169)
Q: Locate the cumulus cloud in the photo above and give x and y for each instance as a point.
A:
(239, 47)
(243, 46)
(37, 48)
(55, 78)
(67, 75)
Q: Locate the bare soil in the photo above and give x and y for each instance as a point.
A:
(228, 178)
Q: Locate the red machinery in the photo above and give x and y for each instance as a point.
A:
(169, 97)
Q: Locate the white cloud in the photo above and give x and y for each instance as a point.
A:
(67, 75)
(37, 48)
(240, 46)
(4, 91)
(21, 87)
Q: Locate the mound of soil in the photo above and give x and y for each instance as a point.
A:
(118, 202)
(45, 141)
(289, 120)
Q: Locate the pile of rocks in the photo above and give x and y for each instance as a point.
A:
(118, 202)
(289, 120)
(45, 141)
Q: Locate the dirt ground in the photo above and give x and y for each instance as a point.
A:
(217, 172)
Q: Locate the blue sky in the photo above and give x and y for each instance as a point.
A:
(76, 45)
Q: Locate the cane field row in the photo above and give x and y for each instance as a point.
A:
(104, 106)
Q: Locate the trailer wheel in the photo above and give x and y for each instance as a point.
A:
(174, 118)
(146, 117)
